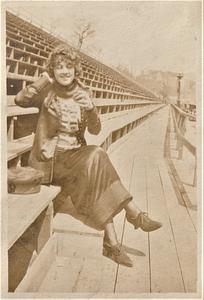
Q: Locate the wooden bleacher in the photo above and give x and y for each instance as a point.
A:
(122, 105)
(26, 58)
(72, 259)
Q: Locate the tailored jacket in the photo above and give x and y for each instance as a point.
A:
(41, 94)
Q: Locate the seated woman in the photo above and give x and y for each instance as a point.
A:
(85, 173)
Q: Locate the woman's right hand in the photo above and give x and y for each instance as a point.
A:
(47, 76)
(83, 99)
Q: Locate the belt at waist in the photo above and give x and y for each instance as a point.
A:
(64, 130)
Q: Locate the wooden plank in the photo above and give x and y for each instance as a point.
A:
(38, 270)
(10, 133)
(121, 142)
(108, 116)
(61, 276)
(184, 233)
(21, 77)
(66, 223)
(87, 270)
(163, 254)
(19, 205)
(98, 102)
(70, 245)
(163, 251)
(136, 279)
(113, 102)
(115, 124)
(72, 275)
(19, 146)
(94, 282)
(17, 110)
(46, 227)
(128, 118)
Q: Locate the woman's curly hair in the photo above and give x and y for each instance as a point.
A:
(63, 53)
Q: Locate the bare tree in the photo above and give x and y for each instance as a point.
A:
(82, 32)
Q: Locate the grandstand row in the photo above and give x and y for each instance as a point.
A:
(28, 47)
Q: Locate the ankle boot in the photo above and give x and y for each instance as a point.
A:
(117, 254)
(144, 222)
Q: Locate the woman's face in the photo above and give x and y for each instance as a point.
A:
(64, 73)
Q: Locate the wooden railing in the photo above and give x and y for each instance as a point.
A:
(179, 119)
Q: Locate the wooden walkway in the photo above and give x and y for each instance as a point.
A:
(164, 261)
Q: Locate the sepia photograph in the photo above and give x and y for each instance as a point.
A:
(101, 149)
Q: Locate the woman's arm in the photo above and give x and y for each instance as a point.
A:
(83, 98)
(34, 94)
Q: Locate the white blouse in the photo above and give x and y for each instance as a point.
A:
(70, 116)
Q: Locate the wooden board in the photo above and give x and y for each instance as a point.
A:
(136, 279)
(17, 111)
(184, 233)
(19, 146)
(62, 275)
(104, 102)
(162, 249)
(117, 123)
(80, 257)
(65, 223)
(109, 124)
(18, 207)
(38, 270)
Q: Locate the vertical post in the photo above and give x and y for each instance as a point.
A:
(180, 120)
(179, 77)
(45, 223)
(24, 84)
(10, 134)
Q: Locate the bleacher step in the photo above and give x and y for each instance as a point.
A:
(24, 209)
(65, 223)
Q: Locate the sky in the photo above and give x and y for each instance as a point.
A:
(140, 35)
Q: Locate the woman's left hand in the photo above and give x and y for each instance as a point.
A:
(83, 99)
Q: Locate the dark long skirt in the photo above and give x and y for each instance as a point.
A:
(88, 176)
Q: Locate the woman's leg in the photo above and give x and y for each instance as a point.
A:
(111, 248)
(132, 210)
(110, 234)
(140, 219)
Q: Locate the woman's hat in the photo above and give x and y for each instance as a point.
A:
(24, 180)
